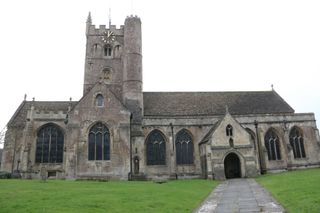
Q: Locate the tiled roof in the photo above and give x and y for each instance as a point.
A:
(181, 104)
(213, 103)
(19, 117)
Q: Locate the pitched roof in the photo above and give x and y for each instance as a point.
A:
(213, 103)
(19, 117)
(207, 137)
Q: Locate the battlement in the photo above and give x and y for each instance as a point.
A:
(50, 110)
(46, 115)
(133, 17)
(93, 30)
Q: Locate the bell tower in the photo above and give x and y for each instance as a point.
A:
(103, 60)
(114, 57)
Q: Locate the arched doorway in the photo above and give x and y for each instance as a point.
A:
(232, 166)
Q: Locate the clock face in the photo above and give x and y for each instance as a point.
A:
(108, 37)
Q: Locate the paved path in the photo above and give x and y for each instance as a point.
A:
(239, 195)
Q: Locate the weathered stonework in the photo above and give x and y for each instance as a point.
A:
(113, 71)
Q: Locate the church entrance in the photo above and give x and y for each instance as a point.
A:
(232, 166)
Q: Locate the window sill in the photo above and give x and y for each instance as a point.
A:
(192, 164)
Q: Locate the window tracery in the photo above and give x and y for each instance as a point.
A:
(156, 148)
(272, 145)
(184, 148)
(297, 143)
(99, 142)
(49, 148)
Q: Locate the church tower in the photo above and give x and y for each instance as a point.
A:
(114, 57)
(132, 68)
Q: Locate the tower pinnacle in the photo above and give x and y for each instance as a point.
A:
(89, 20)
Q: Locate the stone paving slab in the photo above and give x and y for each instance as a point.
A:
(239, 195)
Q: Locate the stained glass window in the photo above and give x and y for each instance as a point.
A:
(156, 148)
(296, 141)
(49, 148)
(184, 147)
(99, 143)
(272, 145)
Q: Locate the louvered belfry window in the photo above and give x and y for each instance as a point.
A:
(156, 148)
(272, 145)
(50, 140)
(296, 142)
(99, 143)
(184, 148)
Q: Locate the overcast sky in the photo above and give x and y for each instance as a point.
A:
(187, 46)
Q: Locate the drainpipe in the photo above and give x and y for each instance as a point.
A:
(172, 135)
(259, 149)
(130, 141)
(175, 165)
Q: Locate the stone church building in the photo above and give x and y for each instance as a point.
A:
(117, 131)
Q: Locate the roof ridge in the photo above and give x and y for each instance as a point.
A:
(254, 91)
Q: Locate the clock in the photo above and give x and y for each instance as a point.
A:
(108, 37)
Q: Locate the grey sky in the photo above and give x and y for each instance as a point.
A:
(187, 46)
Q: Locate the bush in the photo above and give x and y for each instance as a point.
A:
(5, 175)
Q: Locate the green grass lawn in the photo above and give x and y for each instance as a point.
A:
(297, 191)
(85, 196)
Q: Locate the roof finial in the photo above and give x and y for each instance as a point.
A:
(25, 97)
(227, 109)
(89, 20)
(272, 87)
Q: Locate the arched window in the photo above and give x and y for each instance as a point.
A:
(272, 145)
(99, 100)
(184, 148)
(156, 148)
(99, 143)
(296, 141)
(229, 130)
(117, 51)
(108, 51)
(50, 142)
(95, 48)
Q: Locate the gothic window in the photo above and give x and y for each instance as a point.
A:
(184, 148)
(99, 100)
(95, 48)
(272, 145)
(99, 143)
(108, 51)
(229, 130)
(156, 148)
(50, 142)
(296, 141)
(117, 51)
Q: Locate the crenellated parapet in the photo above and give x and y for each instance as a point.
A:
(47, 115)
(99, 31)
